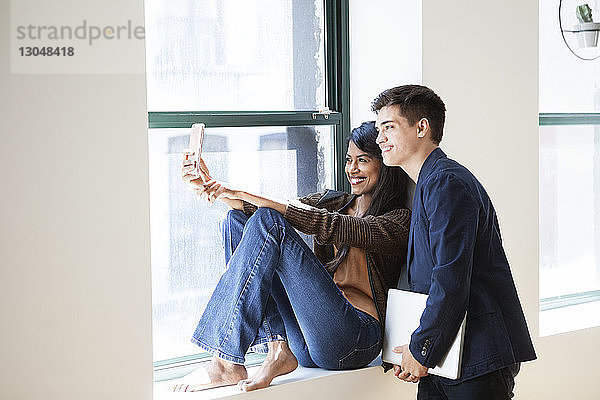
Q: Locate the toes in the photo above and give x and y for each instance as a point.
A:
(180, 387)
(243, 385)
(250, 386)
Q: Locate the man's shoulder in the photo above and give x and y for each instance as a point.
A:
(449, 169)
(446, 169)
(451, 181)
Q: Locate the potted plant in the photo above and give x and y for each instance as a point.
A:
(586, 30)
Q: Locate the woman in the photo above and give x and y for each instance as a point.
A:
(321, 309)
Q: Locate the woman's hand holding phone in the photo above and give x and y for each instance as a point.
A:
(205, 186)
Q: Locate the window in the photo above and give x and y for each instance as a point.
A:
(257, 73)
(569, 178)
(217, 55)
(187, 258)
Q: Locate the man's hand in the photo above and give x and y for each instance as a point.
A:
(409, 370)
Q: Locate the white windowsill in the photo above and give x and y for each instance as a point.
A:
(571, 318)
(371, 375)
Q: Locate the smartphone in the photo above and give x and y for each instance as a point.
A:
(192, 154)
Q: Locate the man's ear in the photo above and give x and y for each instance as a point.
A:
(422, 127)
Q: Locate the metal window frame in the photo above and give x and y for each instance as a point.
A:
(551, 119)
(337, 95)
(220, 119)
(568, 119)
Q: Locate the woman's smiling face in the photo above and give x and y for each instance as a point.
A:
(362, 170)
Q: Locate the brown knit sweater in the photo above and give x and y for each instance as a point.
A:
(384, 238)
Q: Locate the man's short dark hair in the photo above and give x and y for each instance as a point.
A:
(415, 102)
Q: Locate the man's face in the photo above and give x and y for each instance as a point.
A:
(397, 139)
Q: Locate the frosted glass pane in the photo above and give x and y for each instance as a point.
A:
(567, 84)
(569, 210)
(235, 55)
(187, 257)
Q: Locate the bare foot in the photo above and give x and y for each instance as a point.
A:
(218, 373)
(279, 361)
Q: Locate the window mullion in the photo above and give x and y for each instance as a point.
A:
(337, 49)
(548, 119)
(157, 120)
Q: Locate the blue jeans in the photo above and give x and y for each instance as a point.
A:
(275, 288)
(496, 385)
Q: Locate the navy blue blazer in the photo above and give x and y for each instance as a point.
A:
(455, 255)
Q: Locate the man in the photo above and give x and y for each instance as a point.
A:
(455, 255)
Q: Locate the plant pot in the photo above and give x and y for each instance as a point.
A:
(587, 34)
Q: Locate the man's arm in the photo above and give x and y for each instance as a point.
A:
(453, 215)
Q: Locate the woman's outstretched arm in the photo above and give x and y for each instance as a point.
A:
(206, 186)
(189, 176)
(387, 233)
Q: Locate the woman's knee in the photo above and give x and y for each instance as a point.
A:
(232, 219)
(267, 216)
(231, 225)
(266, 212)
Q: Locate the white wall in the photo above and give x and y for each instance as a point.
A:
(385, 50)
(483, 61)
(75, 306)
